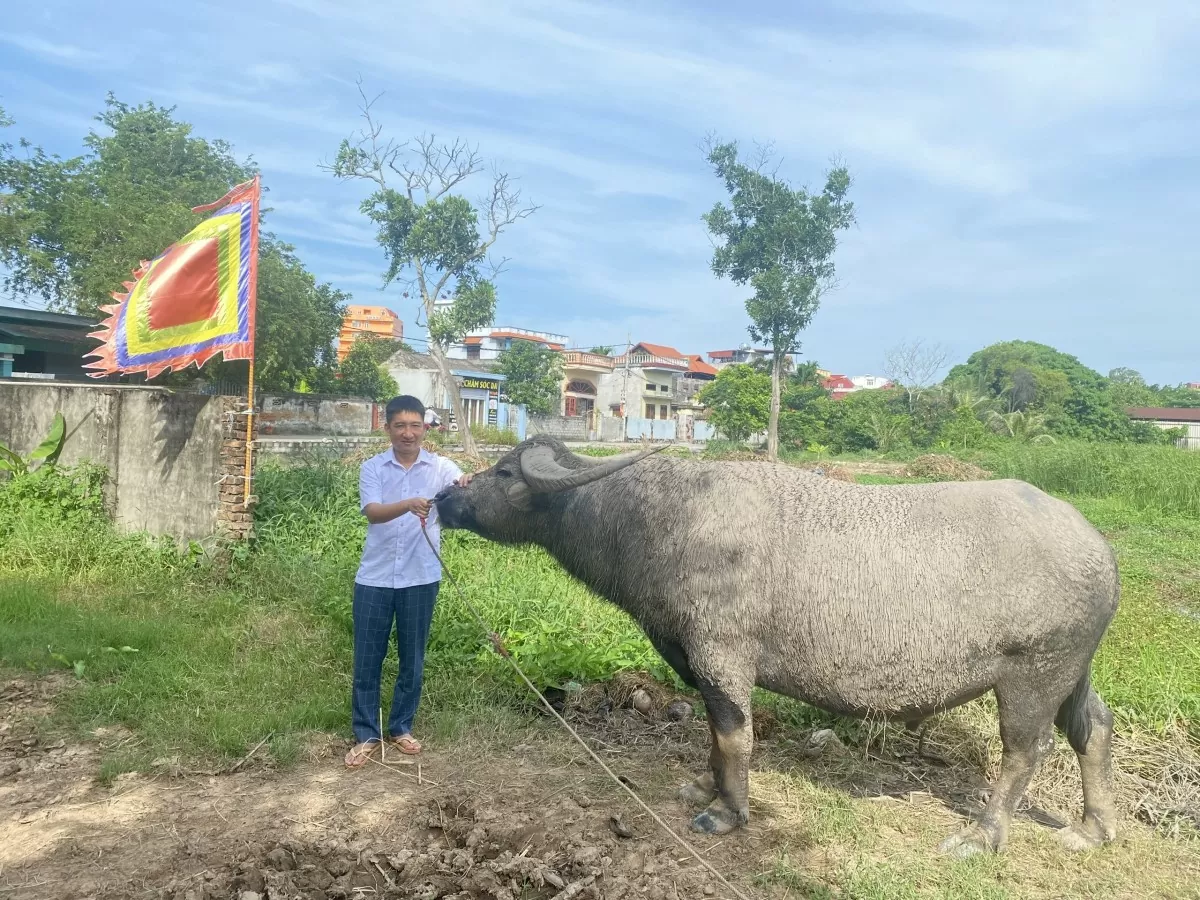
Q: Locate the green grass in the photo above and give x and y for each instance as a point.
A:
(209, 650)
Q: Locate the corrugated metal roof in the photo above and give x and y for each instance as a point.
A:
(75, 335)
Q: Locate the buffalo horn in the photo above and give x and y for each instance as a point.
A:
(545, 474)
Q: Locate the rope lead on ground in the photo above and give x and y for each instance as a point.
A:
(498, 645)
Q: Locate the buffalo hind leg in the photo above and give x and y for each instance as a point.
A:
(729, 759)
(1087, 723)
(1027, 735)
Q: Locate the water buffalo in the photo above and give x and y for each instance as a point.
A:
(893, 600)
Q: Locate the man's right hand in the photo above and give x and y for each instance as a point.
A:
(419, 507)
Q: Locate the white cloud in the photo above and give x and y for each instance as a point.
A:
(53, 51)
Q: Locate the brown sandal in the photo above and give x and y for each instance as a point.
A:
(358, 755)
(406, 743)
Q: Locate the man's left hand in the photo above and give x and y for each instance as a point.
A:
(464, 480)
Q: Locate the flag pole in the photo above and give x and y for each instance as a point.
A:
(252, 310)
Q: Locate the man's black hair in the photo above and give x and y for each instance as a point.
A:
(403, 403)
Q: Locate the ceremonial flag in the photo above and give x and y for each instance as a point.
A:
(192, 302)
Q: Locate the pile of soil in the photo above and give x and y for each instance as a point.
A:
(460, 848)
(944, 468)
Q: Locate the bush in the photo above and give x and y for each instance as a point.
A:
(63, 496)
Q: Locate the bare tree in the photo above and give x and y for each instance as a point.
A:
(915, 367)
(431, 235)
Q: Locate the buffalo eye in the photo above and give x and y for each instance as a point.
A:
(504, 473)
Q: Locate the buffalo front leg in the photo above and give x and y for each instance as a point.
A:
(727, 786)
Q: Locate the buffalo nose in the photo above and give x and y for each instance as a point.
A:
(441, 495)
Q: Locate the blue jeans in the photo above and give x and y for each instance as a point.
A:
(374, 610)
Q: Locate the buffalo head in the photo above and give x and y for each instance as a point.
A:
(501, 502)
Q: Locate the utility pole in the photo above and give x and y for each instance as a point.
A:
(625, 385)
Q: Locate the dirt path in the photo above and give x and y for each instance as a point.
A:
(506, 820)
(524, 822)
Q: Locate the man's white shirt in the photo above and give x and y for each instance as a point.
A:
(395, 554)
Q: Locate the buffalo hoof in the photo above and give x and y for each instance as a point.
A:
(698, 793)
(970, 841)
(717, 819)
(1086, 835)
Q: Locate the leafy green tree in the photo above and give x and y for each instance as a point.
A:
(603, 350)
(780, 240)
(738, 401)
(533, 376)
(361, 374)
(1074, 400)
(431, 234)
(72, 230)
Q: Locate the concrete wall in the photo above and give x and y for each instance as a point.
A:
(565, 428)
(174, 460)
(423, 384)
(300, 414)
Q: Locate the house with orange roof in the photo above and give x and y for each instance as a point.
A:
(644, 382)
(488, 343)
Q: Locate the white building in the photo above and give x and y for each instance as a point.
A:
(869, 382)
(488, 343)
(481, 389)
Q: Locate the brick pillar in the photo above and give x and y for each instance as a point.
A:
(236, 520)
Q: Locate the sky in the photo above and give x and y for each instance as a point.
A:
(1021, 170)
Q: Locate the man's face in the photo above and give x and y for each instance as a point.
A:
(406, 430)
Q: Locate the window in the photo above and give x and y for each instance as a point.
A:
(649, 410)
(663, 411)
(472, 351)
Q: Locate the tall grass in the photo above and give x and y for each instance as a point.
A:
(1161, 479)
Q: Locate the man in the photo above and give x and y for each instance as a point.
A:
(398, 577)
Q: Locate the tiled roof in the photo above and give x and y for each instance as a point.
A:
(659, 350)
(1165, 413)
(698, 366)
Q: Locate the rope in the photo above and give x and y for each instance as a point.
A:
(498, 646)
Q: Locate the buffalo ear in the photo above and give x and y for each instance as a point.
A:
(520, 495)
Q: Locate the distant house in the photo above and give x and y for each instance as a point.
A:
(480, 387)
(644, 383)
(582, 372)
(359, 320)
(840, 386)
(489, 343)
(35, 343)
(743, 354)
(1166, 418)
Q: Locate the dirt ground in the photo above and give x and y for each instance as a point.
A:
(534, 820)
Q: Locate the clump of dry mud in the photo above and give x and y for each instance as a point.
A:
(461, 848)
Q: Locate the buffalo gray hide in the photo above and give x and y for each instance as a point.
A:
(900, 600)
